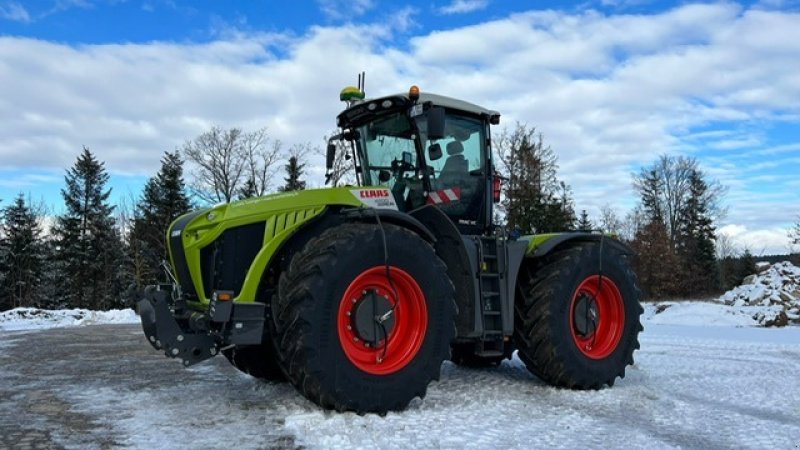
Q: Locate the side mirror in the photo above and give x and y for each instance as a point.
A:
(434, 152)
(436, 123)
(330, 155)
(408, 159)
(351, 135)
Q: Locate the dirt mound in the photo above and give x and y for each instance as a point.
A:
(775, 287)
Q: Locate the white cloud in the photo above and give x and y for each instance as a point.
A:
(464, 6)
(609, 93)
(14, 11)
(345, 10)
(765, 241)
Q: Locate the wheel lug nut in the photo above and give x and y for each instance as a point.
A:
(349, 327)
(348, 313)
(355, 339)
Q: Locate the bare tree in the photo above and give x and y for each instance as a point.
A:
(634, 221)
(794, 235)
(609, 220)
(261, 154)
(667, 185)
(726, 248)
(229, 162)
(343, 170)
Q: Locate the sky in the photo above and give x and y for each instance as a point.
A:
(611, 85)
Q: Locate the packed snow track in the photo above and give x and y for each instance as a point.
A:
(102, 386)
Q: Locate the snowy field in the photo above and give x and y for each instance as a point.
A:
(730, 385)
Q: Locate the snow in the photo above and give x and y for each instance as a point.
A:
(706, 377)
(776, 288)
(691, 387)
(34, 318)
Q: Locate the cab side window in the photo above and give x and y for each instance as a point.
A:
(457, 178)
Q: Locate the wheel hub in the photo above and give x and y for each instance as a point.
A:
(372, 317)
(585, 315)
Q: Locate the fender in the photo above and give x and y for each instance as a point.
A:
(542, 244)
(390, 216)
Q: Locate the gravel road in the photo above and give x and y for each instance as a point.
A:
(102, 386)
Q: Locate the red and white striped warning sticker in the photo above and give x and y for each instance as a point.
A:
(444, 196)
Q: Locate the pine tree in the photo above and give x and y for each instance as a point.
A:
(21, 256)
(696, 240)
(164, 199)
(294, 170)
(248, 189)
(88, 246)
(535, 200)
(746, 265)
(584, 224)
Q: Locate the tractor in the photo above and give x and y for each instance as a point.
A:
(357, 294)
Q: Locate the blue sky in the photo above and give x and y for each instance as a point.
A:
(611, 84)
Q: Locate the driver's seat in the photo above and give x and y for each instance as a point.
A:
(455, 168)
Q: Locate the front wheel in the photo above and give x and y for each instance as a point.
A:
(256, 360)
(364, 318)
(577, 316)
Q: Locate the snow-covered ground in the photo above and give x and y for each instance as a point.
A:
(708, 375)
(34, 318)
(691, 387)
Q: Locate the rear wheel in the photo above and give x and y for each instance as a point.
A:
(355, 333)
(576, 325)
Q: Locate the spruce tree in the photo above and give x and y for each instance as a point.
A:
(584, 224)
(163, 200)
(535, 200)
(89, 250)
(248, 189)
(21, 256)
(294, 170)
(696, 240)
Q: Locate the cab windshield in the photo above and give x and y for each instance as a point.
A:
(389, 156)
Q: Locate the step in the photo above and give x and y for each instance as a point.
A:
(490, 275)
(491, 313)
(489, 353)
(490, 293)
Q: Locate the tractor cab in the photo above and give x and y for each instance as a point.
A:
(426, 149)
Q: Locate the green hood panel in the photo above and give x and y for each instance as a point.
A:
(282, 215)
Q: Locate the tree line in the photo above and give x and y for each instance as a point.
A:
(672, 229)
(95, 252)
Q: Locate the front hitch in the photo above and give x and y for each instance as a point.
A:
(165, 333)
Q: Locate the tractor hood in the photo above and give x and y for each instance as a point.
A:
(227, 246)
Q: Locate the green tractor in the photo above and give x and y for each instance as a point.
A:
(357, 294)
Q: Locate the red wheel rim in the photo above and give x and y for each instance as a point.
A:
(610, 317)
(410, 321)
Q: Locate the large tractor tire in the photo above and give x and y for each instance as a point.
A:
(351, 338)
(577, 316)
(256, 360)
